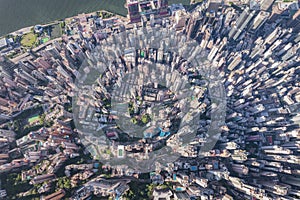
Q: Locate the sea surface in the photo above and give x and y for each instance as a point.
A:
(17, 14)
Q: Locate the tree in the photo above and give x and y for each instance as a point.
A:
(34, 191)
(19, 178)
(133, 120)
(42, 118)
(130, 193)
(145, 119)
(150, 188)
(63, 182)
(67, 183)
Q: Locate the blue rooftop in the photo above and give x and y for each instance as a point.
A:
(163, 134)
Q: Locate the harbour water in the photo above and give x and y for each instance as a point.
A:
(17, 14)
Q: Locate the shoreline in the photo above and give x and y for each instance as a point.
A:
(29, 28)
(55, 10)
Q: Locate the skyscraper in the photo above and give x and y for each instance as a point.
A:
(239, 22)
(260, 19)
(266, 4)
(193, 26)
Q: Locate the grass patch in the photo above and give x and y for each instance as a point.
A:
(28, 39)
(44, 40)
(54, 31)
(34, 119)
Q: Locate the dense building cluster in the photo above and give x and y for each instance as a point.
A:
(54, 101)
(146, 86)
